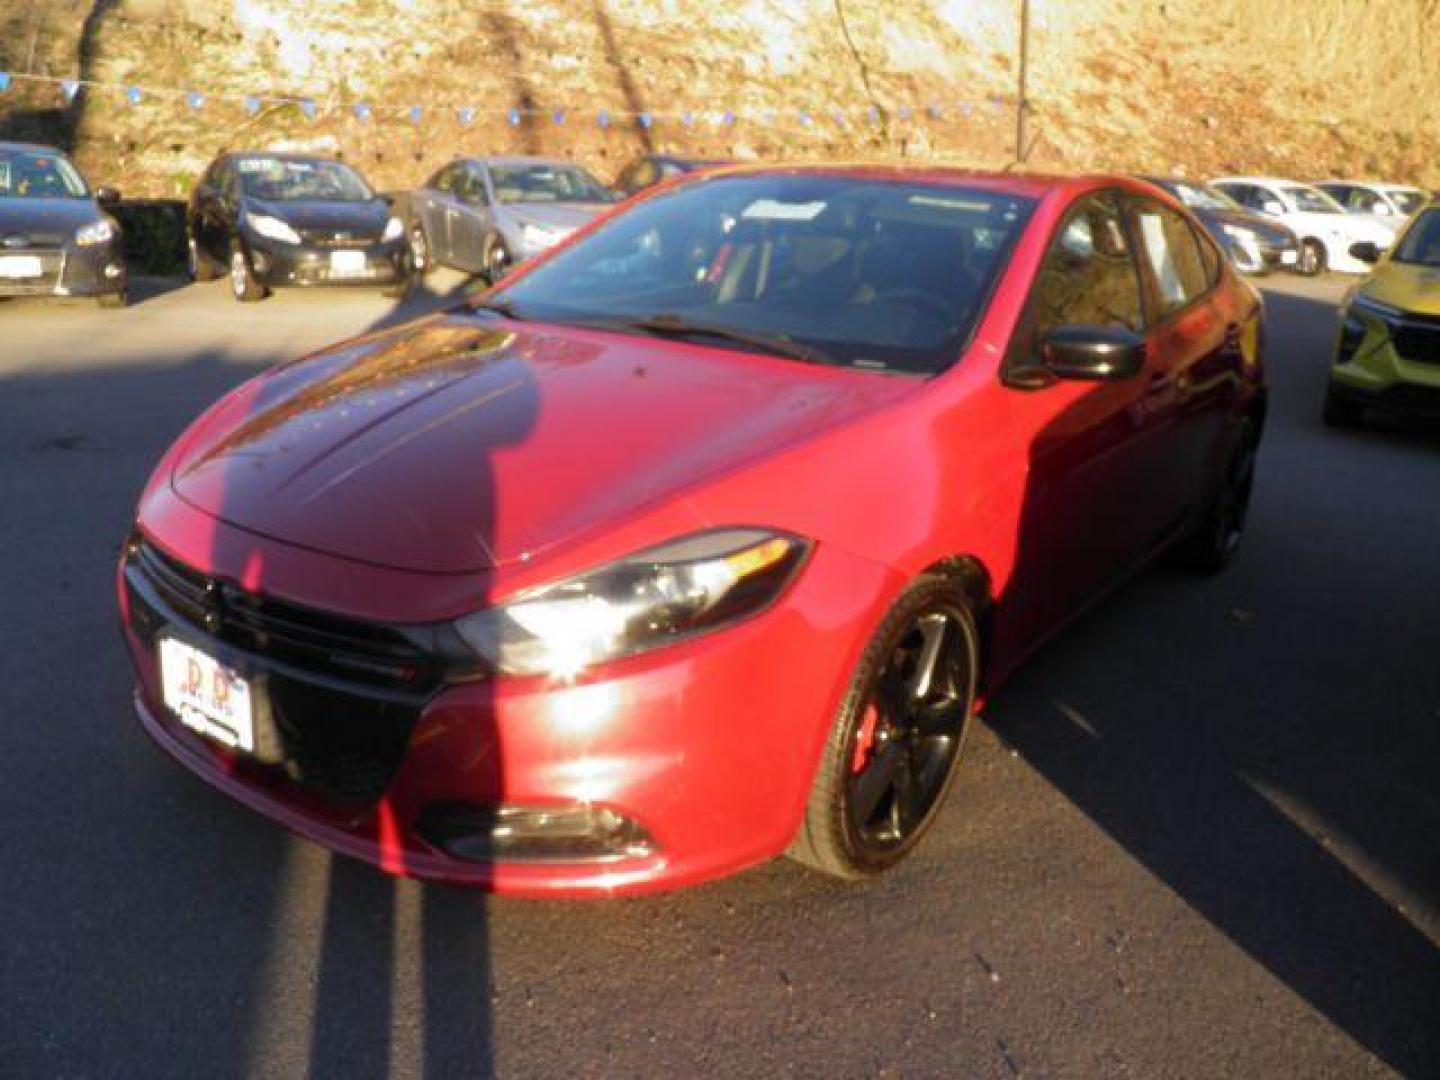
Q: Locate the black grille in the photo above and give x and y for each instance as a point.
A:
(329, 238)
(329, 645)
(1417, 339)
(336, 699)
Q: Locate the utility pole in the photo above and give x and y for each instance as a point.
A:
(1022, 99)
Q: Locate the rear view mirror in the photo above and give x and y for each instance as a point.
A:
(1367, 251)
(1093, 353)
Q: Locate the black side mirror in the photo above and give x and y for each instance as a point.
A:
(1367, 251)
(107, 196)
(1094, 353)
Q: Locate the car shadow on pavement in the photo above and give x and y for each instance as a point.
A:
(1279, 778)
(216, 944)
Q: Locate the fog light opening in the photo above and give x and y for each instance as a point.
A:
(562, 833)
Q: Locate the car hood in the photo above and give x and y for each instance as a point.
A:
(1407, 287)
(362, 218)
(560, 215)
(45, 220)
(463, 443)
(1270, 231)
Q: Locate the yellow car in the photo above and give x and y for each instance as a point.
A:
(1387, 352)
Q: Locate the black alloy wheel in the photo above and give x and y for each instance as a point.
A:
(419, 249)
(497, 260)
(1216, 539)
(1312, 258)
(895, 746)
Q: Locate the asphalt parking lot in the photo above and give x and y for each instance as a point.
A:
(1197, 836)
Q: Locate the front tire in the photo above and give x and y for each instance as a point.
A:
(244, 286)
(496, 260)
(1341, 411)
(1313, 258)
(896, 741)
(113, 299)
(420, 250)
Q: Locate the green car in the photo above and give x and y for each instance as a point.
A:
(1387, 352)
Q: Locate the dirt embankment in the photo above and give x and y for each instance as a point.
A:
(1323, 87)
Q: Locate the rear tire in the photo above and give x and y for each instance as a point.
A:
(1341, 411)
(198, 263)
(244, 286)
(1313, 258)
(1216, 539)
(849, 831)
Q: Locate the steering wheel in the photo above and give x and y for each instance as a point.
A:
(918, 298)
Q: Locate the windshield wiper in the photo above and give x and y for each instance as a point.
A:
(668, 324)
(499, 307)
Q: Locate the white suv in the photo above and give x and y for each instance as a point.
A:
(1325, 230)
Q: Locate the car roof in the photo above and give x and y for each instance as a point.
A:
(36, 147)
(520, 159)
(284, 155)
(1032, 185)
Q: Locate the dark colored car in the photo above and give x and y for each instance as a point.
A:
(649, 170)
(701, 538)
(1257, 245)
(293, 219)
(55, 237)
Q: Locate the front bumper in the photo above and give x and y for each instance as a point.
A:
(94, 270)
(305, 265)
(1389, 363)
(708, 746)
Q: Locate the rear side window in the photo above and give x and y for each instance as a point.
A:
(1089, 277)
(1172, 255)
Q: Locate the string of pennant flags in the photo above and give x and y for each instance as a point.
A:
(253, 104)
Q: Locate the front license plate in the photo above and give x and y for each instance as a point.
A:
(349, 264)
(17, 267)
(1289, 258)
(207, 696)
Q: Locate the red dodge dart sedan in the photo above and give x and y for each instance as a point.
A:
(700, 540)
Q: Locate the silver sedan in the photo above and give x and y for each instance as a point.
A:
(485, 215)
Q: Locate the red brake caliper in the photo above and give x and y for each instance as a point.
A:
(865, 739)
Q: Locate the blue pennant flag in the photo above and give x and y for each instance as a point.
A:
(964, 108)
(728, 118)
(906, 112)
(4, 81)
(416, 112)
(467, 117)
(873, 113)
(645, 119)
(195, 99)
(805, 119)
(132, 95)
(252, 104)
(838, 115)
(558, 116)
(603, 118)
(688, 119)
(514, 117)
(362, 110)
(69, 87)
(307, 106)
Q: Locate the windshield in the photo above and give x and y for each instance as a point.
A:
(1310, 200)
(1408, 201)
(546, 183)
(1420, 246)
(289, 180)
(39, 174)
(874, 274)
(1202, 197)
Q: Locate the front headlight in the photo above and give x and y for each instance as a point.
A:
(394, 229)
(540, 236)
(686, 587)
(97, 232)
(272, 228)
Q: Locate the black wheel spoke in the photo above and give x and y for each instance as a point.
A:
(909, 806)
(875, 781)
